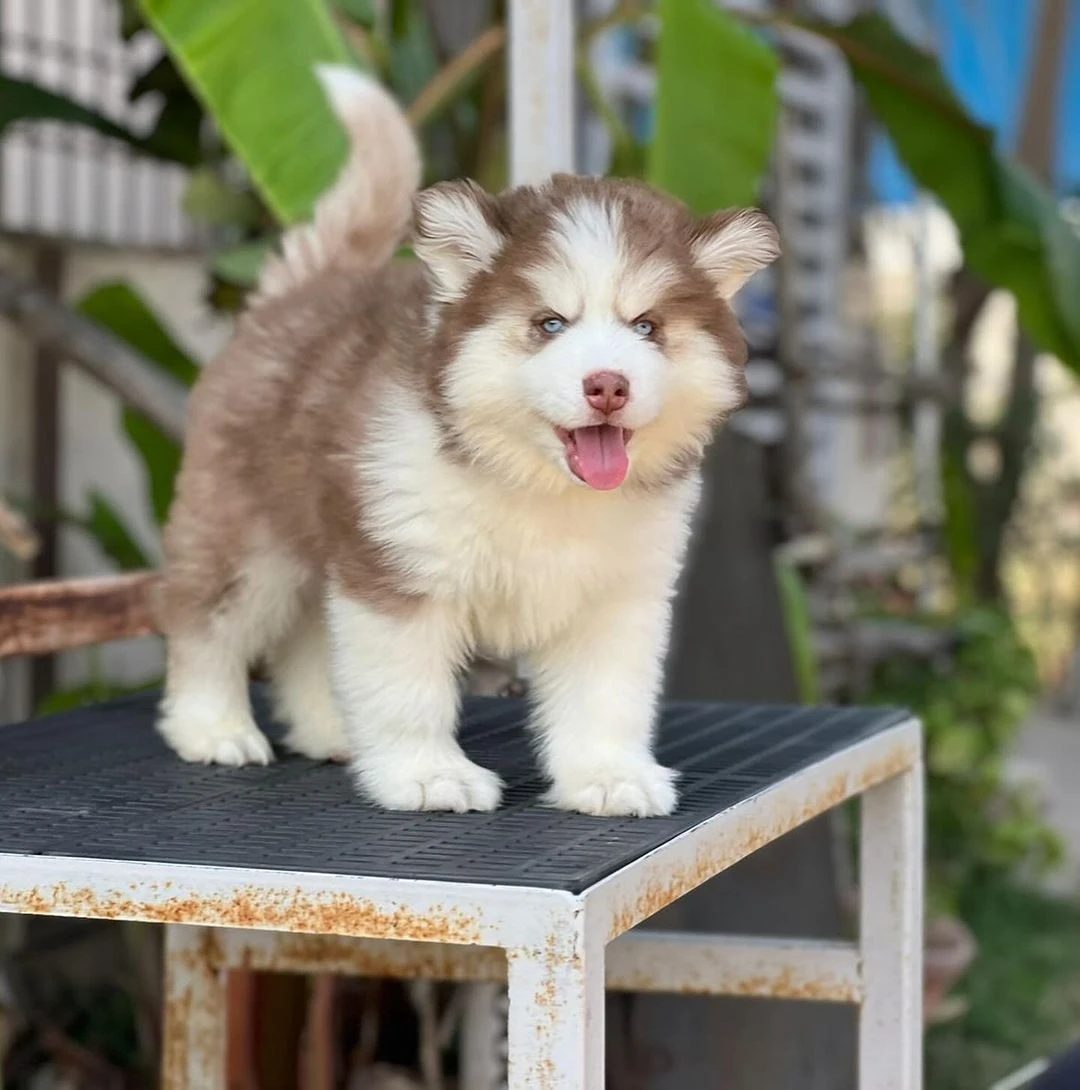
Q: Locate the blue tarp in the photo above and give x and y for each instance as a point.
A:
(985, 48)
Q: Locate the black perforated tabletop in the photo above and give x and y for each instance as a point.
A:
(98, 783)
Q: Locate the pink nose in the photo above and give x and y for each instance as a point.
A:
(607, 391)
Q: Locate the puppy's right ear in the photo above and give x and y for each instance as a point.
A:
(455, 235)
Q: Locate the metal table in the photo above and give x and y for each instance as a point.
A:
(98, 819)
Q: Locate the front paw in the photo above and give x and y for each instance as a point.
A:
(644, 789)
(227, 740)
(430, 782)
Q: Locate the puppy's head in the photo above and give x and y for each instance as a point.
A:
(583, 327)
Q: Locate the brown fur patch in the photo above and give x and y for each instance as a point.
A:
(275, 427)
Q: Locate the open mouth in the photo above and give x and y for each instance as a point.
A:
(597, 454)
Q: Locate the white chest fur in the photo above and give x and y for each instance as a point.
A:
(520, 564)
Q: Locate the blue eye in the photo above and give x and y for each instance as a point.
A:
(644, 328)
(552, 326)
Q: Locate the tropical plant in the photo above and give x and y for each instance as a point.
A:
(247, 65)
(982, 830)
(242, 111)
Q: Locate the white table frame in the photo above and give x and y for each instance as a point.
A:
(557, 950)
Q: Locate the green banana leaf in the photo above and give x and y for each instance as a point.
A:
(24, 101)
(160, 457)
(179, 125)
(1011, 228)
(120, 309)
(716, 106)
(413, 58)
(251, 63)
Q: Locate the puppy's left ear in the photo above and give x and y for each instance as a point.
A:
(733, 245)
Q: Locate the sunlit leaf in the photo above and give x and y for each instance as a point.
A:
(716, 106)
(251, 62)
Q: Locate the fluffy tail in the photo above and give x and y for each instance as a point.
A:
(361, 219)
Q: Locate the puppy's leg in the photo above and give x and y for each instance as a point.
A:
(212, 640)
(206, 715)
(300, 669)
(596, 692)
(394, 677)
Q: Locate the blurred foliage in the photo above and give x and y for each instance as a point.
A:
(23, 101)
(266, 114)
(240, 95)
(96, 1026)
(118, 308)
(1023, 992)
(94, 691)
(241, 107)
(960, 528)
(115, 539)
(798, 620)
(241, 100)
(1012, 230)
(981, 829)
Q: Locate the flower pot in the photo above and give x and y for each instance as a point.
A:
(949, 949)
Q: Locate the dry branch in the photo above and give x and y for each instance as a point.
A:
(47, 321)
(57, 615)
(440, 91)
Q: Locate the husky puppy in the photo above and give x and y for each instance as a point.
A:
(493, 448)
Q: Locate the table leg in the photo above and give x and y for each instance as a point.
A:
(194, 1028)
(555, 1027)
(891, 934)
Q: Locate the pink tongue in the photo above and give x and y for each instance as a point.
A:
(600, 456)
